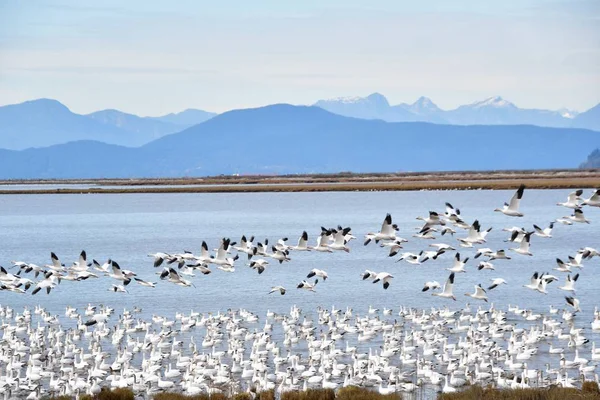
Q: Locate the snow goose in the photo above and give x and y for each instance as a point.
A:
(307, 285)
(117, 273)
(447, 291)
(323, 242)
(245, 246)
(427, 254)
(572, 200)
(570, 283)
(280, 255)
(279, 289)
(368, 275)
(512, 209)
(145, 283)
(302, 243)
(534, 282)
(317, 272)
(431, 285)
(259, 265)
(498, 255)
(496, 282)
(410, 258)
(394, 246)
(387, 231)
(425, 233)
(473, 236)
(56, 264)
(576, 261)
(524, 245)
(118, 289)
(479, 294)
(221, 258)
(175, 278)
(594, 200)
(577, 217)
(385, 278)
(546, 233)
(281, 244)
(562, 266)
(485, 265)
(573, 302)
(458, 265)
(432, 219)
(339, 240)
(442, 246)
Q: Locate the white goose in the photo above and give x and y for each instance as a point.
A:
(572, 200)
(458, 265)
(385, 278)
(512, 209)
(447, 291)
(387, 231)
(307, 285)
(573, 302)
(302, 243)
(496, 282)
(569, 285)
(479, 294)
(594, 200)
(546, 233)
(524, 245)
(577, 217)
(317, 272)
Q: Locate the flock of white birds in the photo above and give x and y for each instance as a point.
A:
(440, 349)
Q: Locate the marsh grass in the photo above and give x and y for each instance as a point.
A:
(588, 392)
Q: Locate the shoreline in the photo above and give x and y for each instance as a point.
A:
(496, 180)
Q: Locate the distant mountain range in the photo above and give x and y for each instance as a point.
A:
(45, 122)
(491, 111)
(282, 138)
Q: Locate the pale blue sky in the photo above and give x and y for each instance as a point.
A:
(154, 57)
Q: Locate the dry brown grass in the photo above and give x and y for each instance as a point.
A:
(332, 182)
(589, 392)
(357, 393)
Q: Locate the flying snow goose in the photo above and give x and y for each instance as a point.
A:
(572, 200)
(485, 265)
(81, 264)
(339, 240)
(394, 246)
(368, 275)
(302, 243)
(49, 282)
(118, 289)
(259, 265)
(279, 289)
(442, 246)
(479, 294)
(473, 236)
(175, 278)
(573, 302)
(570, 283)
(281, 244)
(499, 255)
(458, 265)
(323, 242)
(431, 285)
(594, 200)
(432, 219)
(145, 283)
(512, 209)
(447, 291)
(425, 233)
(280, 255)
(576, 261)
(534, 282)
(118, 274)
(577, 217)
(546, 233)
(307, 285)
(387, 231)
(221, 258)
(56, 264)
(245, 246)
(588, 252)
(410, 258)
(385, 278)
(562, 266)
(496, 282)
(159, 257)
(524, 245)
(317, 272)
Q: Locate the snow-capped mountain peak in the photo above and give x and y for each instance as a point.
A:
(495, 101)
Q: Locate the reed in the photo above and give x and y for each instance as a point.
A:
(590, 392)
